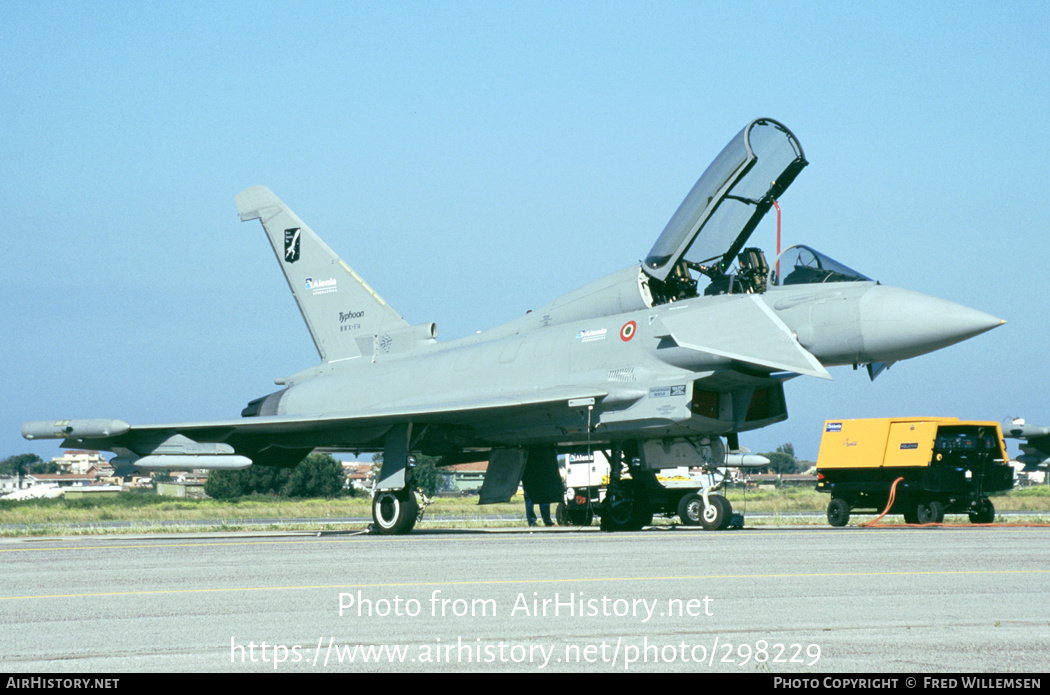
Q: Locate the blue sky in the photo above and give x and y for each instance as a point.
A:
(476, 160)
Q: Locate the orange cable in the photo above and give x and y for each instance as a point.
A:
(893, 493)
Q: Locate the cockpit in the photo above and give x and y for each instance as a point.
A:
(805, 266)
(798, 265)
(708, 231)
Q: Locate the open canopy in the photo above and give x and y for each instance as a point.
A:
(726, 204)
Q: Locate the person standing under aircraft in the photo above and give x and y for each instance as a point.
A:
(530, 512)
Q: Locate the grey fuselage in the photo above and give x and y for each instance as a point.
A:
(609, 340)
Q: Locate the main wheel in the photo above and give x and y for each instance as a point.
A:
(617, 508)
(690, 509)
(983, 513)
(623, 511)
(717, 514)
(642, 516)
(838, 512)
(394, 512)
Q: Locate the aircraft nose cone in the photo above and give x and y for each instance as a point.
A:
(897, 324)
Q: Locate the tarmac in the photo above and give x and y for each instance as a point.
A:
(758, 600)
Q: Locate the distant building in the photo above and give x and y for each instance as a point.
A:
(462, 479)
(780, 480)
(80, 462)
(358, 475)
(9, 484)
(63, 480)
(182, 486)
(79, 492)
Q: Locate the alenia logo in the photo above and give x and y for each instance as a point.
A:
(322, 286)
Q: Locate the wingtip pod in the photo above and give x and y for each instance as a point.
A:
(74, 429)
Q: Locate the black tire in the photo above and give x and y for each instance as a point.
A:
(394, 512)
(577, 516)
(717, 514)
(642, 516)
(690, 509)
(927, 510)
(581, 517)
(838, 512)
(727, 511)
(983, 513)
(617, 508)
(623, 511)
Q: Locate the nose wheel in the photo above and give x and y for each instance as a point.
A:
(717, 514)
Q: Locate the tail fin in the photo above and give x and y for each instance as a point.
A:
(341, 311)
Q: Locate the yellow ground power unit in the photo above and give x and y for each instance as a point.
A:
(946, 465)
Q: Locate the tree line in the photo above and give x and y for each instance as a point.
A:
(23, 464)
(317, 475)
(783, 461)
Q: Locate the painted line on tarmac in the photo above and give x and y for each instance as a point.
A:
(532, 582)
(439, 535)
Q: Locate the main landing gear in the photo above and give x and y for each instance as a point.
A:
(394, 512)
(394, 504)
(635, 495)
(626, 509)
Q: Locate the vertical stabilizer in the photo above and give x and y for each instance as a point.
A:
(341, 311)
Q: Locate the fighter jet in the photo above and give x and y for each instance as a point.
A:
(653, 364)
(1036, 446)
